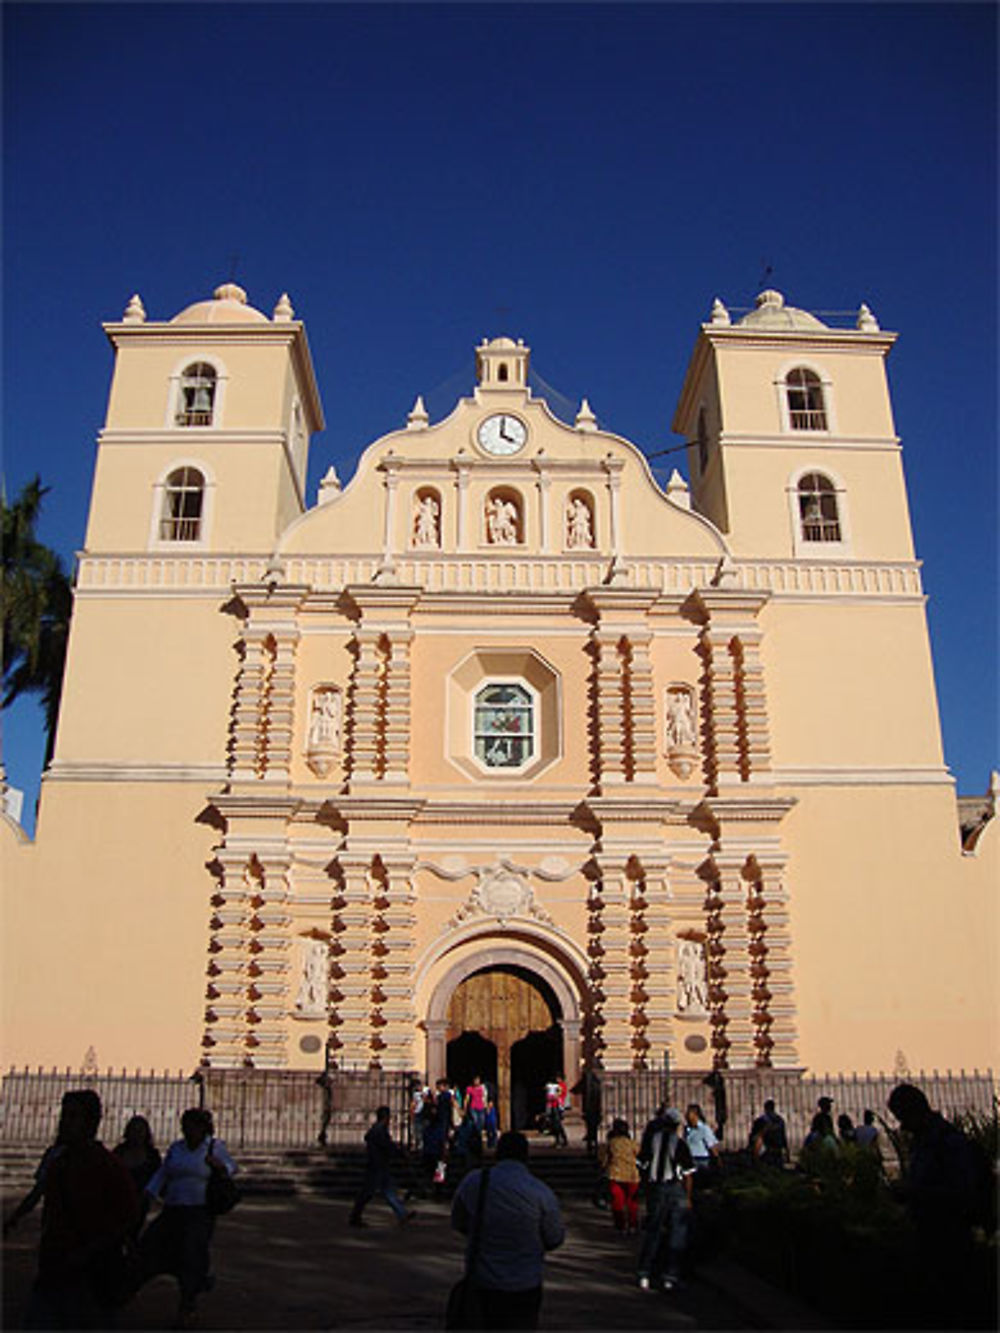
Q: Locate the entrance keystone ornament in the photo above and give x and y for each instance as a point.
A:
(502, 894)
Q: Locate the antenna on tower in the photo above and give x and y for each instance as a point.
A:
(766, 275)
(233, 263)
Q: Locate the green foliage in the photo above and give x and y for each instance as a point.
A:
(37, 601)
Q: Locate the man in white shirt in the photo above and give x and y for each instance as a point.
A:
(520, 1223)
(668, 1170)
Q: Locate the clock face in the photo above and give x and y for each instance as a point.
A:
(502, 434)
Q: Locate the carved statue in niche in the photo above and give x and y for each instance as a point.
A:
(681, 729)
(326, 709)
(579, 529)
(692, 978)
(311, 999)
(501, 521)
(426, 530)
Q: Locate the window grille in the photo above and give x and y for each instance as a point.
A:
(806, 407)
(182, 506)
(504, 726)
(818, 509)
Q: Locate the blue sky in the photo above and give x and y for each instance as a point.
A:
(587, 177)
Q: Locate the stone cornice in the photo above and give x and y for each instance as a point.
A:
(752, 808)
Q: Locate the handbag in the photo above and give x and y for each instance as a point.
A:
(222, 1193)
(465, 1300)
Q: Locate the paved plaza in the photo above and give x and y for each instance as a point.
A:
(293, 1263)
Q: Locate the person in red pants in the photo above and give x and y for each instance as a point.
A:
(618, 1159)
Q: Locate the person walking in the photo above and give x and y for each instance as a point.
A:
(88, 1212)
(178, 1241)
(141, 1158)
(669, 1172)
(475, 1102)
(520, 1223)
(618, 1160)
(380, 1152)
(554, 1092)
(769, 1138)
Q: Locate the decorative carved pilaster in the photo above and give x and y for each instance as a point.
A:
(610, 706)
(270, 950)
(395, 954)
(253, 678)
(462, 476)
(230, 960)
(661, 981)
(366, 723)
(397, 707)
(774, 990)
(642, 708)
(280, 718)
(720, 671)
(752, 703)
(614, 905)
(351, 988)
(544, 501)
(737, 982)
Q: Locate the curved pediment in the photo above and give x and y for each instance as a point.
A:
(502, 476)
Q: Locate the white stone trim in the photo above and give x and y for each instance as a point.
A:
(834, 776)
(781, 388)
(132, 770)
(813, 550)
(156, 542)
(815, 440)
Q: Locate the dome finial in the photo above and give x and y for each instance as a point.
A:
(230, 291)
(418, 418)
(720, 315)
(283, 311)
(585, 419)
(135, 311)
(867, 322)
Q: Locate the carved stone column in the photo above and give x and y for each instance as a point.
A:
(753, 704)
(724, 714)
(271, 948)
(610, 706)
(462, 474)
(614, 467)
(777, 958)
(643, 707)
(366, 714)
(252, 679)
(571, 1049)
(229, 962)
(437, 1049)
(660, 984)
(544, 500)
(390, 466)
(395, 950)
(352, 960)
(397, 707)
(281, 709)
(737, 982)
(615, 905)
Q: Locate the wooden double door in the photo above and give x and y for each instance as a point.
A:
(503, 1024)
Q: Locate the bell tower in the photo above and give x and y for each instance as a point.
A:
(206, 442)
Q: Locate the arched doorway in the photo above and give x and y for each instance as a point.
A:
(512, 1013)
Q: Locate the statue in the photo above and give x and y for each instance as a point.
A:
(692, 978)
(579, 531)
(311, 999)
(425, 524)
(682, 731)
(501, 522)
(324, 719)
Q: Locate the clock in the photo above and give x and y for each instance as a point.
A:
(502, 434)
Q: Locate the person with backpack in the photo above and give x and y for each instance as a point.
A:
(668, 1172)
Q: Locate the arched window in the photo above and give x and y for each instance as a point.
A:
(504, 726)
(196, 400)
(806, 405)
(819, 513)
(183, 501)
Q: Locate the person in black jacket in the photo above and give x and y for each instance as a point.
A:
(666, 1166)
(380, 1151)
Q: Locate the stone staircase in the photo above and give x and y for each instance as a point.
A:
(333, 1172)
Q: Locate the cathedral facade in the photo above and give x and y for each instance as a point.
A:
(500, 756)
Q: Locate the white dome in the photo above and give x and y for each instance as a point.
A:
(228, 306)
(772, 313)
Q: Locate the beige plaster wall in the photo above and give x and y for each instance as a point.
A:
(148, 680)
(105, 928)
(896, 944)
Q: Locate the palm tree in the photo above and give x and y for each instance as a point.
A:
(37, 600)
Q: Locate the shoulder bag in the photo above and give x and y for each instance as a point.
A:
(465, 1304)
(222, 1194)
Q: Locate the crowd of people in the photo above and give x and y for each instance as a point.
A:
(97, 1247)
(95, 1251)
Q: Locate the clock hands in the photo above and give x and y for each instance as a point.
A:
(503, 434)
